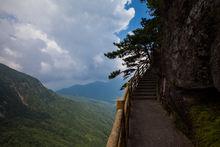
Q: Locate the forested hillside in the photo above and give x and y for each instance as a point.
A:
(31, 115)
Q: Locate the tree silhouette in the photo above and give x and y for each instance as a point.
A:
(139, 46)
(136, 48)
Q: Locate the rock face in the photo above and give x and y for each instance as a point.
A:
(189, 55)
(191, 43)
(215, 58)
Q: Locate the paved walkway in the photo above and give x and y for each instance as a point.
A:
(150, 126)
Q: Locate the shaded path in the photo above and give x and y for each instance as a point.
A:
(150, 125)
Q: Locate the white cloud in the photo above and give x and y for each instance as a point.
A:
(10, 63)
(61, 42)
(45, 67)
(130, 33)
(98, 59)
(60, 57)
(12, 53)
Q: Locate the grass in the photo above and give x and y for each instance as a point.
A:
(206, 125)
(201, 118)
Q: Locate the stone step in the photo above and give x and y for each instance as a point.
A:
(149, 75)
(146, 84)
(137, 91)
(145, 94)
(148, 79)
(146, 87)
(143, 97)
(145, 90)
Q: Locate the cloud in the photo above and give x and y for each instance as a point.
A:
(61, 42)
(98, 59)
(59, 57)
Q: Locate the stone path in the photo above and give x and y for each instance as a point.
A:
(150, 126)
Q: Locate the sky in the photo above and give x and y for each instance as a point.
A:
(62, 43)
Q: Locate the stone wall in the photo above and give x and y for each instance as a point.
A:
(191, 43)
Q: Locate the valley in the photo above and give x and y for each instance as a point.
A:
(32, 115)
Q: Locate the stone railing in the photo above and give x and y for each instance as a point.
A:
(120, 129)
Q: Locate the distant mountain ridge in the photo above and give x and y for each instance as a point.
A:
(105, 91)
(31, 115)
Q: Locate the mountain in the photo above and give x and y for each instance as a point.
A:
(105, 91)
(32, 115)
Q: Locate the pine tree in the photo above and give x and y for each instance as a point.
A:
(138, 47)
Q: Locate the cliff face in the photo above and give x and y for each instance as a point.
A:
(190, 67)
(191, 43)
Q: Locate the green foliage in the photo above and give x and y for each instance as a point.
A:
(60, 123)
(32, 115)
(114, 74)
(154, 6)
(138, 47)
(124, 86)
(206, 125)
